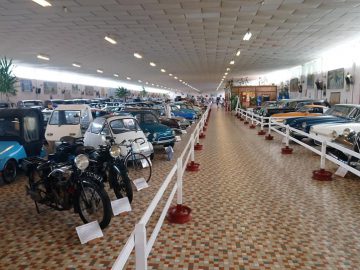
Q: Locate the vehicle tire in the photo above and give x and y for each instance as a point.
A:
(138, 166)
(121, 185)
(10, 171)
(93, 203)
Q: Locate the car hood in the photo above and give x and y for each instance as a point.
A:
(296, 114)
(7, 147)
(300, 120)
(338, 127)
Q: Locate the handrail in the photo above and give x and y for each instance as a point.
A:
(137, 238)
(324, 143)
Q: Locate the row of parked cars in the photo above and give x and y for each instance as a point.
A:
(339, 123)
(23, 130)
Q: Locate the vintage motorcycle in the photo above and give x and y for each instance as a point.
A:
(62, 186)
(105, 161)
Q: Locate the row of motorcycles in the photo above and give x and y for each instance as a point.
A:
(75, 177)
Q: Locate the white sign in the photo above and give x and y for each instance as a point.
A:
(183, 131)
(89, 231)
(341, 171)
(178, 138)
(140, 183)
(144, 163)
(120, 206)
(283, 140)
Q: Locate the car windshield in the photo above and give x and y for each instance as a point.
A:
(9, 127)
(339, 111)
(149, 118)
(65, 117)
(124, 125)
(32, 103)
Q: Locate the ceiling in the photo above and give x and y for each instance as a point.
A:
(193, 39)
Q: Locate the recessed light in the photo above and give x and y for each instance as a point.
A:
(116, 75)
(152, 84)
(42, 3)
(152, 64)
(157, 85)
(128, 78)
(76, 65)
(170, 74)
(226, 73)
(180, 80)
(139, 81)
(99, 71)
(228, 69)
(238, 53)
(139, 56)
(43, 57)
(163, 70)
(232, 62)
(147, 83)
(247, 36)
(109, 39)
(175, 78)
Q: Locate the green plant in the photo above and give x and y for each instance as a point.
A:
(7, 79)
(122, 92)
(143, 93)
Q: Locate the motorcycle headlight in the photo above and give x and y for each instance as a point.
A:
(346, 132)
(81, 162)
(304, 125)
(115, 151)
(334, 134)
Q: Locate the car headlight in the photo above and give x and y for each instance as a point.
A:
(303, 125)
(334, 134)
(81, 162)
(155, 135)
(115, 151)
(285, 122)
(346, 132)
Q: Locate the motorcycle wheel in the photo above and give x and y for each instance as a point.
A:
(138, 166)
(121, 185)
(9, 171)
(93, 203)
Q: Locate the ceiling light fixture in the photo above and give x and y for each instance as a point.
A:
(163, 70)
(225, 73)
(152, 64)
(43, 57)
(110, 40)
(139, 81)
(139, 56)
(76, 65)
(228, 69)
(175, 78)
(42, 3)
(232, 62)
(170, 74)
(116, 75)
(146, 83)
(238, 53)
(180, 80)
(128, 78)
(247, 36)
(99, 71)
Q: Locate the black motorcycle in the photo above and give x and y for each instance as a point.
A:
(62, 186)
(105, 161)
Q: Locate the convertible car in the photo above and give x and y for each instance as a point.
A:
(306, 111)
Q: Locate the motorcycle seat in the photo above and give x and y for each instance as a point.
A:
(85, 150)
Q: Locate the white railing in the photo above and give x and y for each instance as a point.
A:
(276, 126)
(137, 238)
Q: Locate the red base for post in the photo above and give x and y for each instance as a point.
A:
(202, 135)
(206, 123)
(179, 214)
(246, 122)
(241, 119)
(193, 167)
(261, 132)
(269, 137)
(252, 126)
(204, 128)
(322, 175)
(286, 150)
(198, 146)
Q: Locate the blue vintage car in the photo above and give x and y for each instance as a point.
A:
(186, 113)
(340, 113)
(157, 134)
(21, 136)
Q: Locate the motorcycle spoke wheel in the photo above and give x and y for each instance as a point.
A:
(138, 166)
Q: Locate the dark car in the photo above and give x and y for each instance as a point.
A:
(286, 105)
(340, 113)
(157, 133)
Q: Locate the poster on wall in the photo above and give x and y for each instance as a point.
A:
(294, 85)
(75, 89)
(310, 81)
(50, 88)
(89, 90)
(335, 98)
(335, 79)
(26, 85)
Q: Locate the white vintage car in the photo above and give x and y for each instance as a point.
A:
(331, 131)
(120, 128)
(68, 120)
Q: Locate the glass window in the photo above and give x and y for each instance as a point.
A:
(97, 125)
(149, 118)
(65, 117)
(124, 125)
(31, 131)
(10, 127)
(340, 111)
(32, 103)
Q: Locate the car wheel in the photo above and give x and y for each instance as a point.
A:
(9, 171)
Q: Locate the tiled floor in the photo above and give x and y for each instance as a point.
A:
(253, 208)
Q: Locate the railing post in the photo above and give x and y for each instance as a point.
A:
(323, 154)
(322, 174)
(269, 137)
(287, 135)
(192, 148)
(140, 247)
(180, 181)
(287, 150)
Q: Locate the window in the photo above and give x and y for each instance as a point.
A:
(10, 127)
(97, 125)
(340, 111)
(124, 125)
(65, 117)
(31, 131)
(149, 118)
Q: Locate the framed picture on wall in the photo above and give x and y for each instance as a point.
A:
(26, 85)
(50, 88)
(89, 90)
(335, 98)
(294, 85)
(310, 81)
(75, 89)
(335, 79)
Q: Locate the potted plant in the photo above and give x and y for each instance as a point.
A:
(122, 92)
(7, 79)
